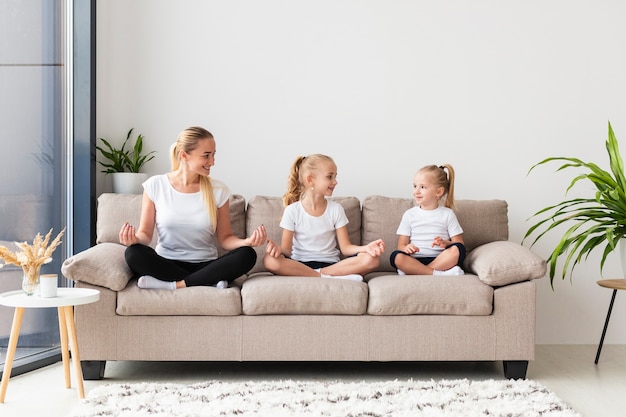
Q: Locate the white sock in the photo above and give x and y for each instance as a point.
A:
(152, 283)
(400, 272)
(221, 285)
(350, 277)
(455, 270)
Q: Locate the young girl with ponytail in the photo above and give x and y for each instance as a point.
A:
(313, 226)
(430, 238)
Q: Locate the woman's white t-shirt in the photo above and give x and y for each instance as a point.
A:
(183, 225)
(314, 238)
(423, 226)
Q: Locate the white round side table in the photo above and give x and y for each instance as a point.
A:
(65, 301)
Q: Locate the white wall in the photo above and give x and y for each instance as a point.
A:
(384, 87)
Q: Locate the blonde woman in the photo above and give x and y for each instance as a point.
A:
(191, 213)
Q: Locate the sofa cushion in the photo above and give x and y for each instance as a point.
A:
(116, 209)
(303, 295)
(503, 263)
(483, 221)
(237, 212)
(191, 301)
(380, 219)
(267, 211)
(113, 211)
(393, 295)
(103, 265)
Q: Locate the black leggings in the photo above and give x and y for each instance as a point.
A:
(143, 260)
(427, 260)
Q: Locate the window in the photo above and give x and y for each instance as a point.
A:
(34, 133)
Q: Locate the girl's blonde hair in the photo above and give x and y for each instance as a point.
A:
(442, 179)
(188, 141)
(300, 169)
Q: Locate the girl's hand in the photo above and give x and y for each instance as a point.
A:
(439, 242)
(375, 248)
(127, 235)
(258, 237)
(410, 248)
(272, 249)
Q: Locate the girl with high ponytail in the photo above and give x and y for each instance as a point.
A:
(430, 238)
(313, 226)
(189, 211)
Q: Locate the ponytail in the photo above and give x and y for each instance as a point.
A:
(295, 188)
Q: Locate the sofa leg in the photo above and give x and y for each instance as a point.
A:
(93, 370)
(515, 369)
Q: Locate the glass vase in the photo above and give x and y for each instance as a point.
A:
(30, 281)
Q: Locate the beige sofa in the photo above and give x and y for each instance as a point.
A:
(486, 315)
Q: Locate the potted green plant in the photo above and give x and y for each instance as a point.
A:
(595, 222)
(125, 164)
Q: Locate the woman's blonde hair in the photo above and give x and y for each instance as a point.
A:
(187, 141)
(301, 167)
(442, 179)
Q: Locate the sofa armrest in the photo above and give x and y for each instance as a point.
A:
(504, 262)
(103, 265)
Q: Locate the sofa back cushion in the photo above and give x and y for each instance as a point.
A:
(113, 210)
(237, 211)
(116, 209)
(267, 211)
(483, 221)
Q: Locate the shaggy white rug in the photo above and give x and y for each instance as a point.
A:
(506, 398)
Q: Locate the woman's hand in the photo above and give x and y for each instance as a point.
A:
(272, 249)
(127, 235)
(410, 249)
(375, 248)
(258, 237)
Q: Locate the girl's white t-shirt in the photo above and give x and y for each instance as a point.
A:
(423, 226)
(314, 238)
(183, 225)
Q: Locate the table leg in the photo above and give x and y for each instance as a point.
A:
(15, 334)
(65, 354)
(606, 324)
(71, 332)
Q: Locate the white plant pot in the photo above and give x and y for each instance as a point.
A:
(128, 182)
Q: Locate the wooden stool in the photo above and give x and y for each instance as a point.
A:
(614, 284)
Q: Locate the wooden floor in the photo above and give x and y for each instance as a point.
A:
(568, 370)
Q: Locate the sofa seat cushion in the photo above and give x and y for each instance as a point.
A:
(192, 301)
(463, 295)
(269, 294)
